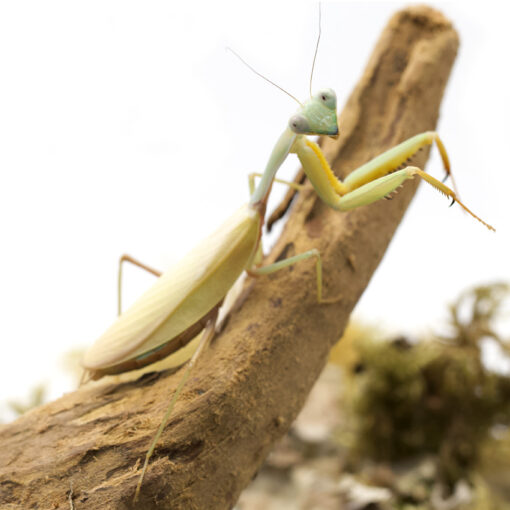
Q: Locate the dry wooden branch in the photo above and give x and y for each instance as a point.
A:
(250, 385)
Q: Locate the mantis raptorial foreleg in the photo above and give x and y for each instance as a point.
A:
(135, 262)
(384, 186)
(374, 180)
(394, 158)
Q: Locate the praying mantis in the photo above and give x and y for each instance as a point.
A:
(185, 300)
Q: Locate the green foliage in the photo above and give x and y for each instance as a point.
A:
(433, 397)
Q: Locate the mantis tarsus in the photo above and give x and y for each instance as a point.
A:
(186, 298)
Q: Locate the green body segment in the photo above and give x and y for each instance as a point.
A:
(277, 157)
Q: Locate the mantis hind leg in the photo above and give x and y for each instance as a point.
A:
(281, 264)
(207, 335)
(384, 186)
(135, 262)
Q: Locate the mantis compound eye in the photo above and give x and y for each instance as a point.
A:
(299, 124)
(328, 98)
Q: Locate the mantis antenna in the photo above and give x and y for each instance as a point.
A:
(262, 76)
(316, 49)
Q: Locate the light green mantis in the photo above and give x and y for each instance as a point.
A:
(185, 299)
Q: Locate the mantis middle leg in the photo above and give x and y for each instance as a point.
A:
(281, 264)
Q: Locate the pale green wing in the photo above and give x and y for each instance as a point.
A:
(182, 295)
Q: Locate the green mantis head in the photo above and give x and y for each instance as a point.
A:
(317, 116)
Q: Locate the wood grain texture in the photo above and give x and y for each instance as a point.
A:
(247, 389)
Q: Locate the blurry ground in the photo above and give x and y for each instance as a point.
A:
(304, 470)
(308, 470)
(394, 424)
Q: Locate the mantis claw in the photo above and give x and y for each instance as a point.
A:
(453, 201)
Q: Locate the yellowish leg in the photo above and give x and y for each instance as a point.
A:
(374, 180)
(446, 191)
(382, 187)
(394, 158)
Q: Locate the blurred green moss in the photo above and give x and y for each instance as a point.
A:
(434, 397)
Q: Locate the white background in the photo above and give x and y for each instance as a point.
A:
(127, 127)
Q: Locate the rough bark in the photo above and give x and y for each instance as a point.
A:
(250, 385)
